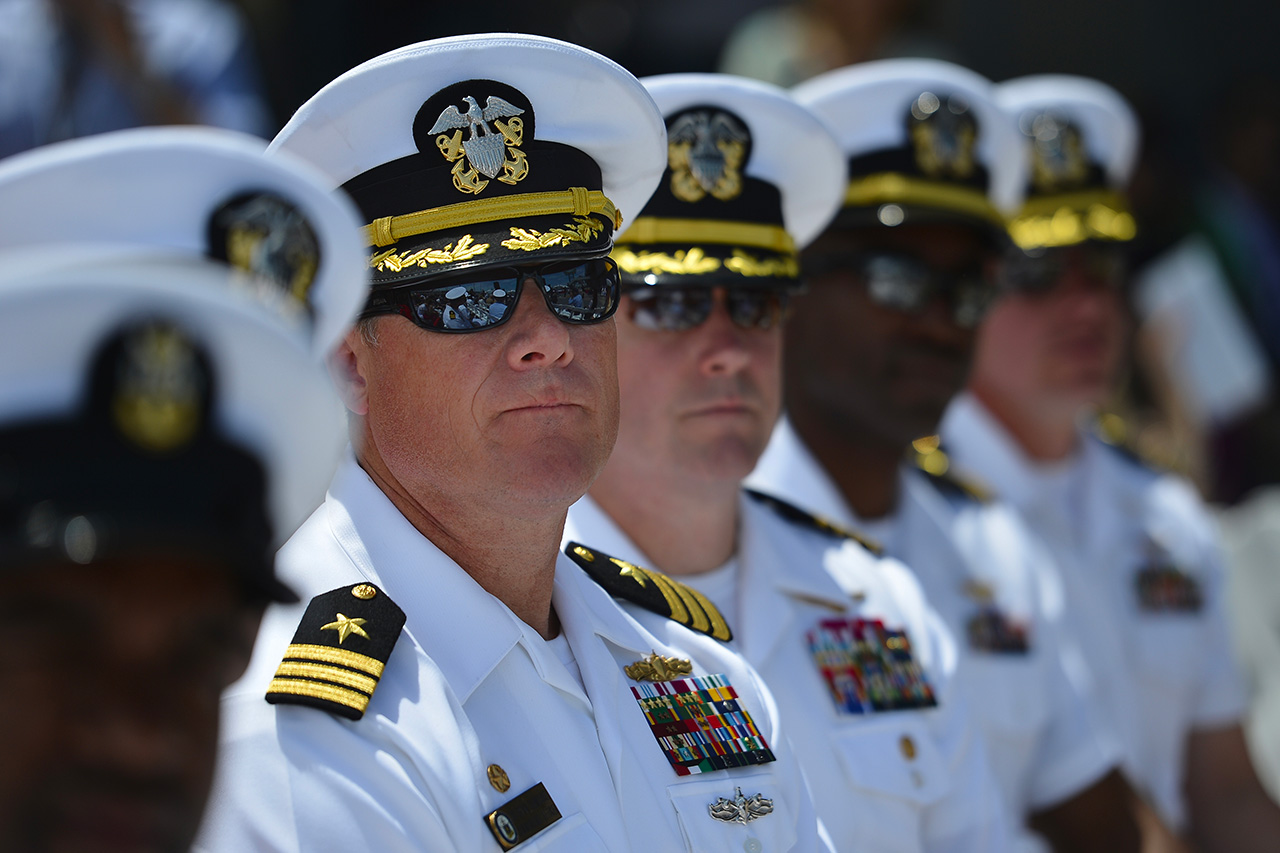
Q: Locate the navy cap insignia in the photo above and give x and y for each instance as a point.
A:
(494, 133)
(651, 590)
(741, 809)
(943, 133)
(705, 151)
(868, 667)
(821, 524)
(336, 660)
(523, 817)
(269, 238)
(161, 383)
(1058, 160)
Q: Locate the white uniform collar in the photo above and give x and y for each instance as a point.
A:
(788, 470)
(467, 630)
(983, 449)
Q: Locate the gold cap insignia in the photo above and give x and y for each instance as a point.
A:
(705, 152)
(944, 134)
(1058, 159)
(158, 401)
(270, 239)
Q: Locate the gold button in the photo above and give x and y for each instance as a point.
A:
(499, 779)
(364, 591)
(908, 747)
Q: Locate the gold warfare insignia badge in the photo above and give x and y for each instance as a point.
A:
(943, 135)
(159, 387)
(1058, 159)
(268, 238)
(706, 149)
(482, 142)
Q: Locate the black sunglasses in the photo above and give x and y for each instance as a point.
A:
(1039, 271)
(905, 283)
(578, 292)
(677, 308)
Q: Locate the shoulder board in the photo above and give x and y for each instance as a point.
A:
(933, 462)
(651, 590)
(804, 518)
(339, 651)
(1113, 431)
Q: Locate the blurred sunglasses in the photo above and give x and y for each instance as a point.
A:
(677, 308)
(578, 292)
(904, 283)
(1039, 271)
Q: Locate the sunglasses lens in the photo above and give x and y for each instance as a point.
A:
(670, 309)
(465, 305)
(896, 282)
(586, 292)
(756, 308)
(971, 298)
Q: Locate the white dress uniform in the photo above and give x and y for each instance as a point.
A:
(469, 689)
(1144, 585)
(997, 591)
(889, 780)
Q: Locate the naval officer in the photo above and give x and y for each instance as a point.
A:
(163, 426)
(1139, 555)
(877, 347)
(455, 683)
(861, 667)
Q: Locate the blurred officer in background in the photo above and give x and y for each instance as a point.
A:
(163, 426)
(860, 665)
(1139, 555)
(456, 683)
(876, 349)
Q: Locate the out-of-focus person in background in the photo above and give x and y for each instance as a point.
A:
(1139, 554)
(862, 668)
(1208, 310)
(72, 68)
(163, 427)
(878, 346)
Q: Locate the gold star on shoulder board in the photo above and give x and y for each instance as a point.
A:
(346, 627)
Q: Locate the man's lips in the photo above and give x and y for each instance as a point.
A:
(722, 407)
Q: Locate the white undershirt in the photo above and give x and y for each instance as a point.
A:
(560, 646)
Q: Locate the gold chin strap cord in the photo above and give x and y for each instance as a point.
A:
(579, 201)
(650, 229)
(893, 188)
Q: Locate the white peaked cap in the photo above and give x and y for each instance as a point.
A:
(869, 106)
(270, 398)
(1107, 123)
(156, 192)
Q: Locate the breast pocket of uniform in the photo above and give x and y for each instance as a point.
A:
(1009, 694)
(733, 814)
(1169, 651)
(896, 771)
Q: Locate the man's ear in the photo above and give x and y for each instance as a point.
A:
(347, 374)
